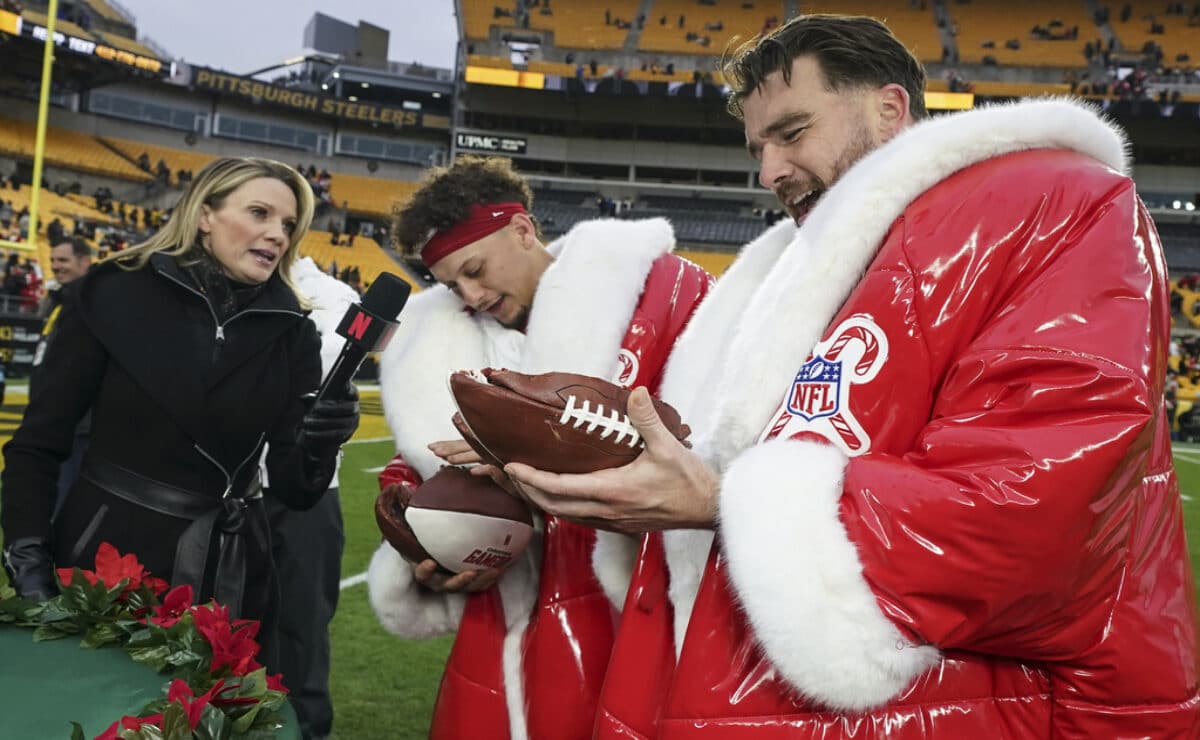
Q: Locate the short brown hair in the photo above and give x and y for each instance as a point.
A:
(852, 51)
(447, 194)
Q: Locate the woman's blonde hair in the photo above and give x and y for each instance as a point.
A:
(210, 187)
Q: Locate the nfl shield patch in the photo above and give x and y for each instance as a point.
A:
(816, 391)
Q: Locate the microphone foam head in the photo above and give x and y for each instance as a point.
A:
(386, 296)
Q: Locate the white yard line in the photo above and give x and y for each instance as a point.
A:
(352, 581)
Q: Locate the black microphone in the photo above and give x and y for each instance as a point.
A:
(367, 327)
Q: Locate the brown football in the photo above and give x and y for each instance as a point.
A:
(559, 422)
(461, 521)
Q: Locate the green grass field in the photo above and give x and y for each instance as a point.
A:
(384, 687)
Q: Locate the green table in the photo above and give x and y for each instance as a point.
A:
(44, 686)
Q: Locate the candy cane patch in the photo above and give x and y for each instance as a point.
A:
(819, 397)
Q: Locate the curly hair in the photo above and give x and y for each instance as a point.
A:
(853, 51)
(447, 194)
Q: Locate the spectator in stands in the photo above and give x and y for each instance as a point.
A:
(975, 547)
(606, 290)
(179, 410)
(55, 231)
(143, 161)
(162, 171)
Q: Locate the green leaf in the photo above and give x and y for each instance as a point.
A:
(244, 722)
(99, 635)
(175, 723)
(51, 632)
(213, 725)
(154, 656)
(77, 731)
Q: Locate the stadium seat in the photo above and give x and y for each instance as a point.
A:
(366, 255)
(374, 196)
(916, 28)
(997, 21)
(580, 25)
(1177, 37)
(66, 148)
(733, 18)
(176, 159)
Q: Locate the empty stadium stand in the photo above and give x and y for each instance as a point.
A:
(1177, 37)
(578, 25)
(997, 22)
(372, 196)
(66, 148)
(176, 159)
(917, 28)
(366, 255)
(715, 263)
(718, 23)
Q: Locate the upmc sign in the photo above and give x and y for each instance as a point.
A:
(484, 143)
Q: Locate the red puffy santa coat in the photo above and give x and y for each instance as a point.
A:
(947, 505)
(530, 654)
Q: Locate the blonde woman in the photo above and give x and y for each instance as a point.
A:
(192, 350)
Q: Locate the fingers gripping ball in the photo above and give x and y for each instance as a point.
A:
(461, 521)
(558, 422)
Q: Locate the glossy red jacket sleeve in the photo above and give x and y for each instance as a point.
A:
(398, 471)
(1004, 530)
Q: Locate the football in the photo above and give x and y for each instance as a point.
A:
(559, 422)
(461, 521)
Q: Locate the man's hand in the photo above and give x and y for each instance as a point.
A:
(428, 574)
(454, 452)
(431, 576)
(667, 487)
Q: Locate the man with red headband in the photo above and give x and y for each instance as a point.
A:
(607, 299)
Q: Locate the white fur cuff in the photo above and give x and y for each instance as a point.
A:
(798, 577)
(402, 606)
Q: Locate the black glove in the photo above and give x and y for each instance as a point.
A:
(328, 423)
(30, 568)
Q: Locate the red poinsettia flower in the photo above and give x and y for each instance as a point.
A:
(275, 683)
(232, 645)
(111, 569)
(156, 585)
(174, 606)
(194, 705)
(128, 723)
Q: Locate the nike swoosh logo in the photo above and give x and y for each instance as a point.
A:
(496, 214)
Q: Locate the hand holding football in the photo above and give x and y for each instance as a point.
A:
(461, 521)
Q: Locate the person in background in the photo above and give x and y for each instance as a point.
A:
(307, 544)
(70, 260)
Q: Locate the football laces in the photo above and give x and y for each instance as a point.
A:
(608, 422)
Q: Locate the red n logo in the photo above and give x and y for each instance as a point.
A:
(358, 327)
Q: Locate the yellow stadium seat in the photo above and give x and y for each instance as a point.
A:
(735, 21)
(176, 159)
(374, 196)
(1179, 37)
(997, 22)
(916, 28)
(69, 149)
(715, 263)
(366, 255)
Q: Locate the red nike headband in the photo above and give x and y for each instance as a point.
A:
(484, 219)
